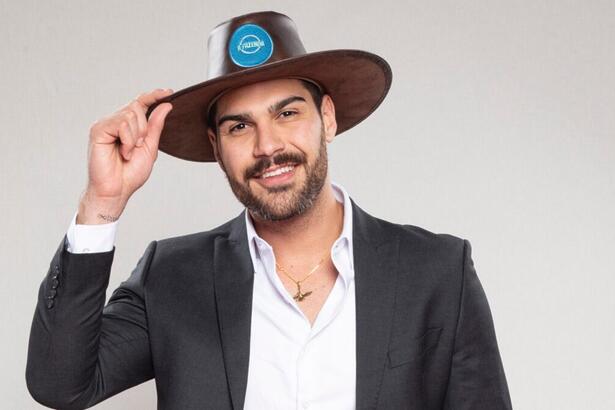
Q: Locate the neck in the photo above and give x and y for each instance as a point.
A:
(311, 233)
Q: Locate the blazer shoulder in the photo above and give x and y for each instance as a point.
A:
(428, 237)
(442, 248)
(416, 236)
(441, 255)
(197, 241)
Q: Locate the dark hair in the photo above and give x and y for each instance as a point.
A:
(312, 88)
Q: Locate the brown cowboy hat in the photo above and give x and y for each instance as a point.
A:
(263, 46)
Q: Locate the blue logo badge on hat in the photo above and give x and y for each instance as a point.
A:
(250, 46)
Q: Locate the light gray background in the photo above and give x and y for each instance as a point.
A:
(499, 128)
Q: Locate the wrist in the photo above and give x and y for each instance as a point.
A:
(95, 210)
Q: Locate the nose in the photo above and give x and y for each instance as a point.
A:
(267, 141)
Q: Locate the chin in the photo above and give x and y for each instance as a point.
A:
(280, 203)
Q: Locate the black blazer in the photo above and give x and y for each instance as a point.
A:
(425, 336)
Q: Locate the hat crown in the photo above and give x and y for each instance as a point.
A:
(251, 40)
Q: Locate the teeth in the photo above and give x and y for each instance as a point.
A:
(278, 171)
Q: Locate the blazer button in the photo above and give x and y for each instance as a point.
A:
(56, 269)
(49, 303)
(54, 283)
(52, 293)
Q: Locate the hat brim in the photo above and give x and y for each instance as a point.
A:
(356, 80)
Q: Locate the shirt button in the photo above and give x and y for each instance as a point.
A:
(86, 250)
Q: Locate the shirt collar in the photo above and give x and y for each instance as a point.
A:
(344, 240)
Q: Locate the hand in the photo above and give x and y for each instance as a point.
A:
(121, 154)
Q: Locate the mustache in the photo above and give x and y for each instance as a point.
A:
(262, 164)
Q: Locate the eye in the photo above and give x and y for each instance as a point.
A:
(238, 127)
(287, 114)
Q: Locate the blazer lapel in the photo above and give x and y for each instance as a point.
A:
(375, 264)
(234, 284)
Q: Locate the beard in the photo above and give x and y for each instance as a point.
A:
(285, 201)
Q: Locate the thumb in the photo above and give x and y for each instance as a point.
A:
(155, 124)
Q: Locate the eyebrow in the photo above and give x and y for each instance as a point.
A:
(281, 104)
(245, 117)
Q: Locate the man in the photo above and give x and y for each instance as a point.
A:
(304, 300)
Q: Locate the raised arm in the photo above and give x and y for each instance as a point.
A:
(80, 353)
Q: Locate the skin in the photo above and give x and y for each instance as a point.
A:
(124, 146)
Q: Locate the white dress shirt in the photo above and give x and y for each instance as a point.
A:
(293, 365)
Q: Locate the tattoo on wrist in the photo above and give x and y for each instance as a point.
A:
(108, 218)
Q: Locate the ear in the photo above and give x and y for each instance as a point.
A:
(214, 144)
(327, 110)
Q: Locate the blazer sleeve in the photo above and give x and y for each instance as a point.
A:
(477, 379)
(80, 351)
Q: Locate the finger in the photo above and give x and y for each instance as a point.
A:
(148, 99)
(156, 124)
(126, 139)
(131, 118)
(141, 120)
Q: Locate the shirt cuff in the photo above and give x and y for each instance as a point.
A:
(90, 238)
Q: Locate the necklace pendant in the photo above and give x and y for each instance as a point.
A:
(300, 296)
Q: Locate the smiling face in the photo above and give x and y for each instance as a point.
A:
(271, 144)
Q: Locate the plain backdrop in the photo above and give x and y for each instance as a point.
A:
(499, 128)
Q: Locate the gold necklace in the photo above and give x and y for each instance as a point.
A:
(299, 296)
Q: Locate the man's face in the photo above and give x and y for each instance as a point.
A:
(271, 144)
